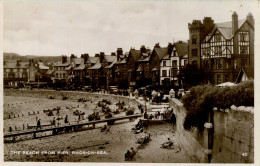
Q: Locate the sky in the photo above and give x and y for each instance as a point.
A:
(54, 28)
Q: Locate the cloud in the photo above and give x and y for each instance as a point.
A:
(55, 28)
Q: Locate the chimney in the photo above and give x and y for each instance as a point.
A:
(18, 62)
(234, 22)
(113, 54)
(157, 45)
(85, 57)
(250, 19)
(96, 55)
(143, 49)
(72, 56)
(101, 57)
(63, 59)
(119, 51)
(208, 24)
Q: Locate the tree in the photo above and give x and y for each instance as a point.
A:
(192, 76)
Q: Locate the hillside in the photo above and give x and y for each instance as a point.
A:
(14, 57)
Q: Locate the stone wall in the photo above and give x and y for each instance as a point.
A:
(233, 136)
(192, 142)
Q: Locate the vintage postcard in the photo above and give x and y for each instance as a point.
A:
(129, 82)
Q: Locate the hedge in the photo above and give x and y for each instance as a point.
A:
(201, 100)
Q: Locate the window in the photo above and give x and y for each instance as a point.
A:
(243, 49)
(194, 40)
(218, 50)
(169, 73)
(174, 63)
(218, 64)
(64, 75)
(218, 38)
(174, 53)
(243, 37)
(164, 73)
(164, 63)
(206, 51)
(194, 52)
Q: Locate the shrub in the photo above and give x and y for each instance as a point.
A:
(201, 100)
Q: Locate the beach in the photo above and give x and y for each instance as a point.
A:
(90, 145)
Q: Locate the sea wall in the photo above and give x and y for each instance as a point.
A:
(192, 142)
(233, 136)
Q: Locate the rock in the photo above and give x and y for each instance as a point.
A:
(233, 107)
(241, 108)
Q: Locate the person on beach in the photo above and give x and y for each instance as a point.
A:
(151, 116)
(145, 115)
(54, 121)
(66, 120)
(38, 124)
(127, 155)
(167, 144)
(132, 153)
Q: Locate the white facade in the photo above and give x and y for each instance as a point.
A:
(165, 68)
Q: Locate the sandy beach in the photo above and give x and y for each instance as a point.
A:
(83, 146)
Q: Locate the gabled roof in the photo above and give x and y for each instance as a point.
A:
(112, 64)
(96, 66)
(49, 72)
(181, 48)
(14, 65)
(136, 54)
(110, 58)
(80, 67)
(68, 68)
(78, 60)
(62, 64)
(155, 69)
(225, 28)
(139, 68)
(144, 58)
(161, 52)
(42, 66)
(93, 59)
(248, 71)
(166, 57)
(121, 62)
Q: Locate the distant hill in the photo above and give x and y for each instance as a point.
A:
(47, 59)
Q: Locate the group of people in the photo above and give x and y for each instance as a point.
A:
(138, 127)
(157, 115)
(53, 122)
(168, 144)
(130, 154)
